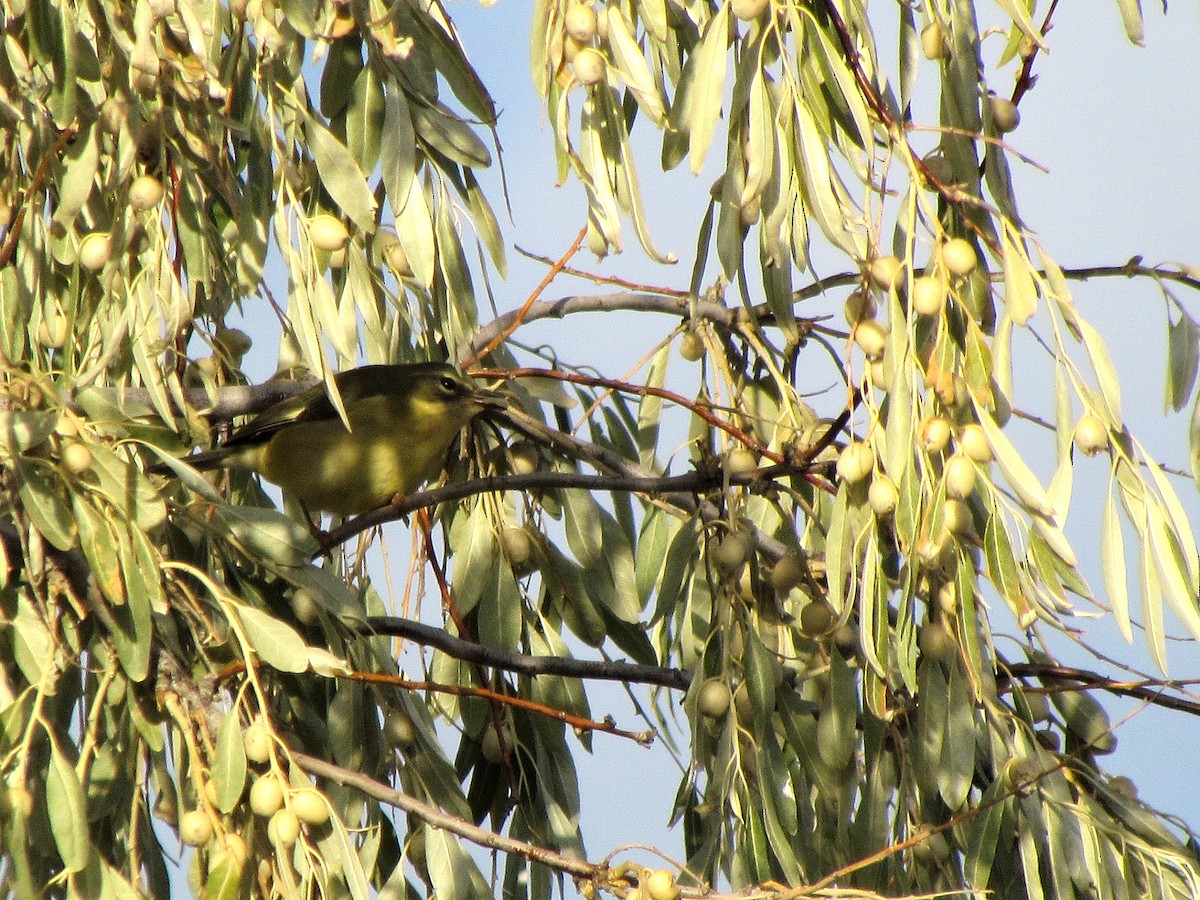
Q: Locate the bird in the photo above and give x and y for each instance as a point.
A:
(402, 420)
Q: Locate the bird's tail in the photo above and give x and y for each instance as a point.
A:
(204, 461)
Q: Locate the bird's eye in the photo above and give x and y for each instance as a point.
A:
(448, 385)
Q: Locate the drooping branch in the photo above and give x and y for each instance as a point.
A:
(439, 819)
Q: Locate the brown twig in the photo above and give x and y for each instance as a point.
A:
(546, 281)
(1025, 78)
(698, 409)
(614, 280)
(608, 726)
(35, 183)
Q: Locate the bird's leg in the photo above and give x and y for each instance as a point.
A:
(314, 528)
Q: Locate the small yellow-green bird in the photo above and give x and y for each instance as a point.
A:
(402, 421)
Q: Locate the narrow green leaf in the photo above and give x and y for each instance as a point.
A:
(1018, 475)
(397, 148)
(450, 135)
(709, 60)
(414, 227)
(631, 66)
(1112, 564)
(485, 222)
(957, 765)
(1106, 373)
(276, 643)
(67, 809)
(475, 556)
(1183, 360)
(229, 764)
(267, 533)
(46, 510)
(500, 611)
(364, 120)
(1131, 16)
(341, 175)
(1002, 565)
(1180, 524)
(585, 531)
(1179, 592)
(1152, 613)
(1020, 291)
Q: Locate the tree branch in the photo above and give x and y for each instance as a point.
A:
(523, 664)
(1150, 691)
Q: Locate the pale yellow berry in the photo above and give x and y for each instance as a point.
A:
(855, 462)
(589, 66)
(959, 257)
(883, 496)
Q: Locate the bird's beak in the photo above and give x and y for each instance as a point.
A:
(489, 399)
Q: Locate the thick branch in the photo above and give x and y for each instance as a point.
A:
(523, 664)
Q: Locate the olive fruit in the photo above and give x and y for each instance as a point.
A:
(230, 850)
(746, 11)
(257, 743)
(95, 250)
(76, 458)
(871, 338)
(309, 806)
(195, 828)
(589, 66)
(934, 43)
(959, 257)
(284, 828)
(740, 460)
(660, 885)
(1005, 115)
(516, 545)
(399, 729)
(939, 168)
(886, 272)
(816, 618)
(936, 642)
(1091, 435)
(731, 553)
(883, 496)
(714, 698)
(956, 517)
(691, 346)
(928, 295)
(959, 476)
(787, 573)
(934, 434)
(525, 458)
(973, 441)
(580, 22)
(145, 192)
(53, 330)
(327, 233)
(855, 462)
(307, 610)
(860, 305)
(266, 795)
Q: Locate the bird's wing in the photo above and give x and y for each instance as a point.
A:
(313, 405)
